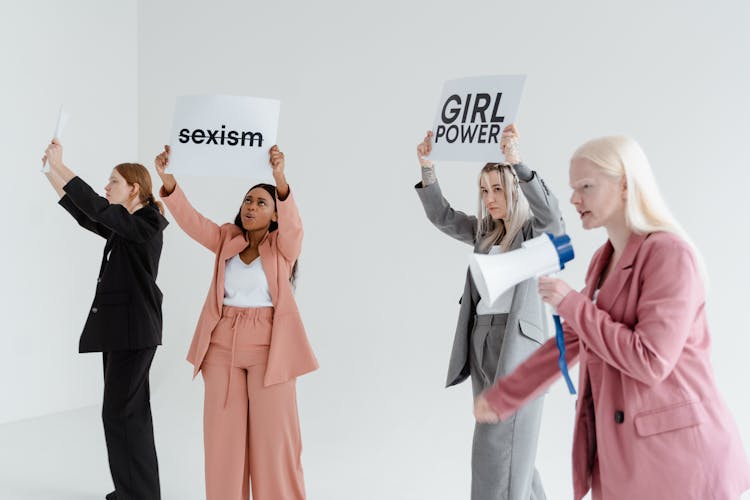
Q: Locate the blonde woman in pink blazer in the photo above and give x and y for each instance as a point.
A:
(650, 423)
(249, 344)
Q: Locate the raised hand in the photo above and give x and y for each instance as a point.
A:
(276, 159)
(423, 149)
(161, 162)
(509, 144)
(53, 154)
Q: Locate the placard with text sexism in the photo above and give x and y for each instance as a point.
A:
(471, 116)
(223, 136)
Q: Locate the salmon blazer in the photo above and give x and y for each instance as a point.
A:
(290, 354)
(660, 429)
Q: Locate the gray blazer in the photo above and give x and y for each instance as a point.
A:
(525, 330)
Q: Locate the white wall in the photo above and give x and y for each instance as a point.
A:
(82, 54)
(379, 286)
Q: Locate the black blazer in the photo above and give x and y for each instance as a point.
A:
(126, 313)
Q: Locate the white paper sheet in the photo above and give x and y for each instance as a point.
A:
(62, 120)
(223, 136)
(471, 115)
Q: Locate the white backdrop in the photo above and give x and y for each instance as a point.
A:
(378, 285)
(82, 54)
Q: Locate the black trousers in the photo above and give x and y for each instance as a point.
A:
(128, 428)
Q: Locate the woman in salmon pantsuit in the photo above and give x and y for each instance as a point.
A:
(650, 423)
(249, 344)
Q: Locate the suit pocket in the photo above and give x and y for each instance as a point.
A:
(109, 316)
(531, 331)
(671, 418)
(111, 299)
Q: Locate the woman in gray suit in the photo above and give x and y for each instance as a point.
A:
(492, 339)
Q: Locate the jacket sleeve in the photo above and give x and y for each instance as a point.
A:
(290, 230)
(114, 217)
(532, 377)
(666, 310)
(203, 230)
(455, 224)
(545, 209)
(83, 219)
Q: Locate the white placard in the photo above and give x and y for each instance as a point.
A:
(471, 115)
(62, 120)
(223, 136)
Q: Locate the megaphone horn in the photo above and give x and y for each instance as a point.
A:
(494, 274)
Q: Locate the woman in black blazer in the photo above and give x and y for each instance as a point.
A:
(124, 322)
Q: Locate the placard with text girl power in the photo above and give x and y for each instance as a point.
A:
(223, 136)
(471, 115)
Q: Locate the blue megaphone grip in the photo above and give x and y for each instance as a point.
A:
(564, 248)
(561, 362)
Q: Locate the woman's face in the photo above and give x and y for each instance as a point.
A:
(257, 210)
(599, 198)
(493, 194)
(118, 191)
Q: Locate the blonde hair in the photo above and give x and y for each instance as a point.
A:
(517, 210)
(645, 208)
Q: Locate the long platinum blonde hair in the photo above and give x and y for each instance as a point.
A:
(645, 208)
(517, 212)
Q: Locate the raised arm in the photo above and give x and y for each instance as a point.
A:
(57, 183)
(290, 225)
(195, 225)
(82, 219)
(544, 206)
(452, 222)
(113, 217)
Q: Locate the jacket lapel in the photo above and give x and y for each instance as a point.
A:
(521, 290)
(615, 282)
(268, 261)
(235, 243)
(107, 249)
(597, 268)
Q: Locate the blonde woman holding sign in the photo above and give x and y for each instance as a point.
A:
(492, 339)
(650, 422)
(249, 344)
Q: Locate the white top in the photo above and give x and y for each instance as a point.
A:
(503, 302)
(245, 285)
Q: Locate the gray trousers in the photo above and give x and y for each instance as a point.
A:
(503, 454)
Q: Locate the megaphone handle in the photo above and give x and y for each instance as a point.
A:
(561, 360)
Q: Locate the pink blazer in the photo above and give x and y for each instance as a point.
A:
(648, 408)
(290, 354)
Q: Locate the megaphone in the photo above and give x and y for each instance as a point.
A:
(545, 254)
(494, 274)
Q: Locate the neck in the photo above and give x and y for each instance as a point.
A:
(255, 237)
(133, 206)
(618, 234)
